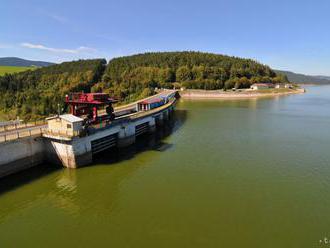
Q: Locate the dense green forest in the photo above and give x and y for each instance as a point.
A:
(37, 93)
(135, 76)
(32, 94)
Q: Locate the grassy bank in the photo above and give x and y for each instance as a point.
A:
(14, 69)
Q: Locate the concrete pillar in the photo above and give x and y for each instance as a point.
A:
(74, 154)
(165, 115)
(82, 151)
(126, 135)
(160, 120)
(170, 112)
(152, 125)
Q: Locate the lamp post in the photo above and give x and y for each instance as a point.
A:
(58, 109)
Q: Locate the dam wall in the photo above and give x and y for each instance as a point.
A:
(77, 151)
(21, 154)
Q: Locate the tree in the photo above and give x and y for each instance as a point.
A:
(198, 72)
(230, 83)
(183, 74)
(34, 94)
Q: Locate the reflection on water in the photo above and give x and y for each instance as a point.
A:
(241, 173)
(66, 181)
(154, 141)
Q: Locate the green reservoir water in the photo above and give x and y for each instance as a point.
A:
(247, 173)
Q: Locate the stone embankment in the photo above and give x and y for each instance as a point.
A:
(239, 94)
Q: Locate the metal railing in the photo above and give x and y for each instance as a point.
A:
(14, 125)
(18, 134)
(10, 123)
(62, 133)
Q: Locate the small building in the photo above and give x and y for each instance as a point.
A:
(288, 86)
(262, 86)
(66, 124)
(150, 104)
(282, 86)
(279, 86)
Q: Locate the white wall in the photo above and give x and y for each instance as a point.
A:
(21, 154)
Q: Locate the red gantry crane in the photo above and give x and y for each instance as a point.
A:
(88, 104)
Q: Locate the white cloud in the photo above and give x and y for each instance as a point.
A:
(86, 49)
(81, 49)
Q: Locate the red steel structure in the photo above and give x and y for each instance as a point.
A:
(89, 103)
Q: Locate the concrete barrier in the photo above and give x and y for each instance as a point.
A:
(21, 154)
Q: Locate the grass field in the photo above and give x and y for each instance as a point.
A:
(14, 69)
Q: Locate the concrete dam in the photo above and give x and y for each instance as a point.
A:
(65, 141)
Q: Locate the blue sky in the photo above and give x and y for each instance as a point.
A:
(291, 34)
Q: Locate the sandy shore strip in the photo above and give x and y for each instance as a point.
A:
(242, 94)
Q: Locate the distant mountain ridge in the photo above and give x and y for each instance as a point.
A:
(323, 77)
(14, 61)
(304, 79)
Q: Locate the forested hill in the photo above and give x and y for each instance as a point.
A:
(13, 61)
(37, 93)
(304, 79)
(137, 75)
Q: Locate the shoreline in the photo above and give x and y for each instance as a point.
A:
(219, 94)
